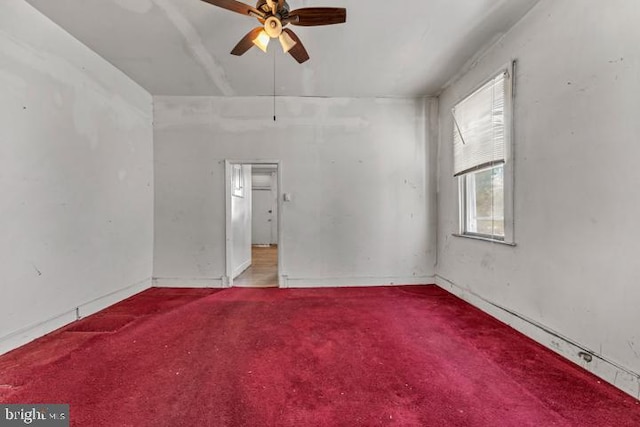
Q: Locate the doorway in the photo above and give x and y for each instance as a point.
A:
(253, 224)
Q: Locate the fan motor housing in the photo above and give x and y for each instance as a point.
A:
(263, 6)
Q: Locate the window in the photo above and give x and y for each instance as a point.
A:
(481, 144)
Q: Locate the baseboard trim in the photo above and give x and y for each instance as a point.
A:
(29, 333)
(111, 298)
(241, 268)
(347, 282)
(620, 377)
(184, 282)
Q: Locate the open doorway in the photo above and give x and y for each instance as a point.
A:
(253, 223)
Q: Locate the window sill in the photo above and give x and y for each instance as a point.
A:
(486, 239)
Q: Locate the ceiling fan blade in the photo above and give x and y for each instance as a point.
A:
(312, 16)
(246, 43)
(297, 51)
(236, 6)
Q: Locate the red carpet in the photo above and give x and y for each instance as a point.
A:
(406, 356)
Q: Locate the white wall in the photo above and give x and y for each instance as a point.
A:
(241, 213)
(75, 178)
(575, 269)
(361, 210)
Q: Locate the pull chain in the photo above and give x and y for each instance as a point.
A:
(274, 85)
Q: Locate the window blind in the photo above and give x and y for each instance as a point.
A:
(479, 127)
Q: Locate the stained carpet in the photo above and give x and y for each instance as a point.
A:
(405, 356)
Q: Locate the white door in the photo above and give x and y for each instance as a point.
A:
(263, 217)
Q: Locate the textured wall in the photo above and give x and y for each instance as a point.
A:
(574, 269)
(361, 209)
(75, 177)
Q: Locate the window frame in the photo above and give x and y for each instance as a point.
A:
(508, 166)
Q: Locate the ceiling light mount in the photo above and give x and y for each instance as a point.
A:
(273, 27)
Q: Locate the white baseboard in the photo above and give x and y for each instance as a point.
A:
(346, 282)
(105, 301)
(242, 267)
(622, 378)
(36, 330)
(182, 282)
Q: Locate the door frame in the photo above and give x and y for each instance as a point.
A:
(227, 280)
(274, 177)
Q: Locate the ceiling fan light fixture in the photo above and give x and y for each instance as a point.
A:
(273, 15)
(262, 41)
(286, 42)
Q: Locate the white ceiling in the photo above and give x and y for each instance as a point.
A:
(403, 48)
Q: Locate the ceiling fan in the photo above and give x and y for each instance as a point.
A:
(274, 15)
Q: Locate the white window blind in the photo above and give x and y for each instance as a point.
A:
(479, 127)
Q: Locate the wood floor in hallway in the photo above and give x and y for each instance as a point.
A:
(263, 272)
